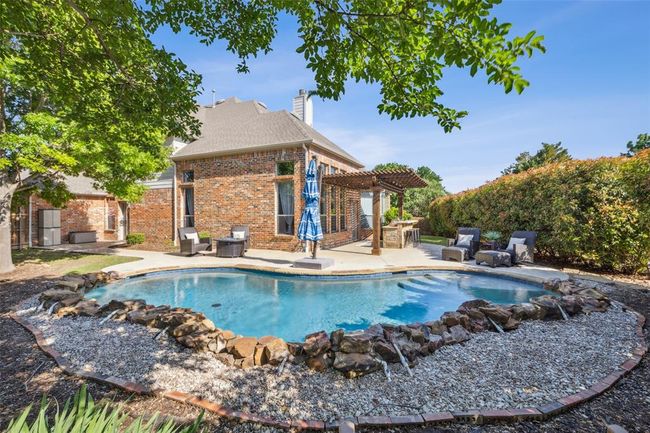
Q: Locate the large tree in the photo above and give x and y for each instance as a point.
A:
(83, 90)
(633, 147)
(417, 200)
(547, 154)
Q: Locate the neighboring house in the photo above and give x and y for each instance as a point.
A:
(90, 210)
(246, 167)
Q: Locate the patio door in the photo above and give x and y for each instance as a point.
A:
(122, 223)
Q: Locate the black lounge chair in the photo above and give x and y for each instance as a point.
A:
(522, 253)
(457, 252)
(190, 246)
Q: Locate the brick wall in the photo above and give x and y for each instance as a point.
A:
(83, 213)
(228, 190)
(153, 216)
(241, 189)
(351, 233)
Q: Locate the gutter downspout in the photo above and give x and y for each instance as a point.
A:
(29, 221)
(174, 200)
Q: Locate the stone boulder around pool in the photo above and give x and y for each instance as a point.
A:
(316, 344)
(386, 351)
(356, 364)
(205, 342)
(193, 327)
(356, 342)
(86, 308)
(274, 351)
(62, 297)
(242, 347)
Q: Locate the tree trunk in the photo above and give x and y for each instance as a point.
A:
(7, 191)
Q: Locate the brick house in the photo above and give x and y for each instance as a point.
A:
(246, 167)
(91, 210)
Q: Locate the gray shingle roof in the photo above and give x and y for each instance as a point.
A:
(82, 185)
(239, 126)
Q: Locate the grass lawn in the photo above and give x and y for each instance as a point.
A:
(68, 263)
(436, 240)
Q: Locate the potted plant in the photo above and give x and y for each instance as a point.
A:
(492, 237)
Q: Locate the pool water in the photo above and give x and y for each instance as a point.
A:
(257, 304)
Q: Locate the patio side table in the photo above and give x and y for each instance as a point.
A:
(489, 245)
(230, 247)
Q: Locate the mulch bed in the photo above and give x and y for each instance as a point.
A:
(26, 373)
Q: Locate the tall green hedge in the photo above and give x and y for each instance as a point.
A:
(593, 212)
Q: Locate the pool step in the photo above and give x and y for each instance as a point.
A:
(436, 280)
(415, 286)
(427, 283)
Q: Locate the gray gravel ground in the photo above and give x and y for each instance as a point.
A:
(540, 361)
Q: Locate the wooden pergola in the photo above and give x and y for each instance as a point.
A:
(396, 181)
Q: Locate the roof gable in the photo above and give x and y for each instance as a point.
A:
(235, 126)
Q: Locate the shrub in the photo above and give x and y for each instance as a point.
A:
(392, 214)
(204, 234)
(594, 212)
(492, 235)
(134, 238)
(81, 415)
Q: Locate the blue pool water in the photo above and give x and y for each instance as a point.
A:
(257, 304)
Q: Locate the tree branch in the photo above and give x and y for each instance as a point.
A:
(107, 50)
(30, 34)
(390, 65)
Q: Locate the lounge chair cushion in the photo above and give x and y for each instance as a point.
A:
(513, 241)
(464, 240)
(193, 236)
(239, 234)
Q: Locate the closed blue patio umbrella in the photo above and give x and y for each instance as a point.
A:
(310, 228)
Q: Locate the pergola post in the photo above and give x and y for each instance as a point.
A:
(400, 205)
(376, 221)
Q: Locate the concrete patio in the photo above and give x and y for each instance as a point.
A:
(352, 258)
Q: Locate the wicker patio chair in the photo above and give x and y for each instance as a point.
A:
(474, 244)
(242, 228)
(522, 253)
(189, 246)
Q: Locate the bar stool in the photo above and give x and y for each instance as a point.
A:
(416, 236)
(412, 235)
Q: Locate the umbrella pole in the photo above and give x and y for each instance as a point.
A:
(314, 245)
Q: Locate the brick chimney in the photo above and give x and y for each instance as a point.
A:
(303, 108)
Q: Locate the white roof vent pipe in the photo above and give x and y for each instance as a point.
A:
(303, 108)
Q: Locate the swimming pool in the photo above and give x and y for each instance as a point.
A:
(255, 303)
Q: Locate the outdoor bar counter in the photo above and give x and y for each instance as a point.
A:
(394, 234)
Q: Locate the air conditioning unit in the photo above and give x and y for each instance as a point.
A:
(49, 227)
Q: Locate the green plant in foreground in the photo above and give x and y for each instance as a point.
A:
(134, 238)
(81, 415)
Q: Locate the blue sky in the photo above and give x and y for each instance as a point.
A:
(591, 90)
